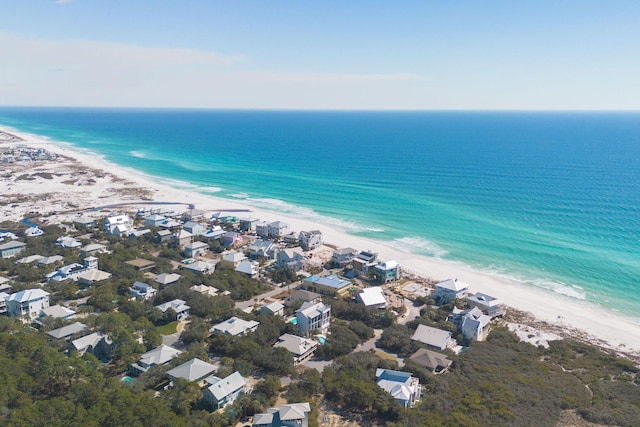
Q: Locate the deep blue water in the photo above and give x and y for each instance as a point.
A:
(549, 198)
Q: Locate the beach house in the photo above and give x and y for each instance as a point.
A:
(118, 225)
(248, 225)
(434, 362)
(194, 228)
(473, 323)
(195, 249)
(224, 391)
(402, 386)
(142, 291)
(28, 302)
(263, 249)
(180, 308)
(290, 415)
(313, 317)
(330, 285)
(449, 290)
(66, 332)
(343, 256)
(433, 337)
(158, 356)
(97, 343)
(387, 271)
(154, 220)
(232, 259)
(11, 249)
(492, 307)
(235, 326)
(195, 370)
(364, 261)
(310, 240)
(372, 297)
(274, 308)
(290, 258)
(301, 348)
(248, 267)
(277, 229)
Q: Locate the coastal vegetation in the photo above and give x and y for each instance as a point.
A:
(501, 381)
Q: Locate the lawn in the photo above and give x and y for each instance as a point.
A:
(168, 329)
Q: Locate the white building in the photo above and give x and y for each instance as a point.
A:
(142, 291)
(313, 317)
(28, 302)
(118, 225)
(449, 290)
(372, 297)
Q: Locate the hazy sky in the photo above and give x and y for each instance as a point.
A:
(298, 54)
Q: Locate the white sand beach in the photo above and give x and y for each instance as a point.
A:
(58, 190)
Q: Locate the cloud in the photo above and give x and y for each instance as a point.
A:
(63, 1)
(90, 73)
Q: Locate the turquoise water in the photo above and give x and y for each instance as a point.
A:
(552, 199)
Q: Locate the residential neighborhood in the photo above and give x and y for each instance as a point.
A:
(255, 322)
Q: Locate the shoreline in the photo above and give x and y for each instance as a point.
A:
(574, 319)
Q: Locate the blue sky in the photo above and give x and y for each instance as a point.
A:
(298, 54)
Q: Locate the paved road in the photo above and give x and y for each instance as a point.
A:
(412, 312)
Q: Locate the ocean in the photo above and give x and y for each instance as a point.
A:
(551, 199)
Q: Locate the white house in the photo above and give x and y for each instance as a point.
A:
(157, 356)
(290, 415)
(224, 391)
(142, 291)
(118, 225)
(492, 307)
(248, 267)
(473, 324)
(28, 302)
(196, 249)
(233, 259)
(203, 267)
(205, 290)
(179, 307)
(301, 348)
(154, 220)
(166, 279)
(449, 290)
(263, 249)
(97, 343)
(11, 249)
(434, 362)
(403, 386)
(290, 258)
(68, 242)
(309, 240)
(274, 308)
(193, 370)
(277, 229)
(248, 224)
(33, 231)
(313, 317)
(194, 228)
(73, 271)
(343, 256)
(372, 297)
(235, 326)
(56, 312)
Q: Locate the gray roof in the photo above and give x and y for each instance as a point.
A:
(430, 359)
(167, 278)
(28, 295)
(432, 336)
(11, 245)
(193, 370)
(57, 311)
(295, 344)
(67, 331)
(294, 411)
(234, 326)
(226, 386)
(159, 355)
